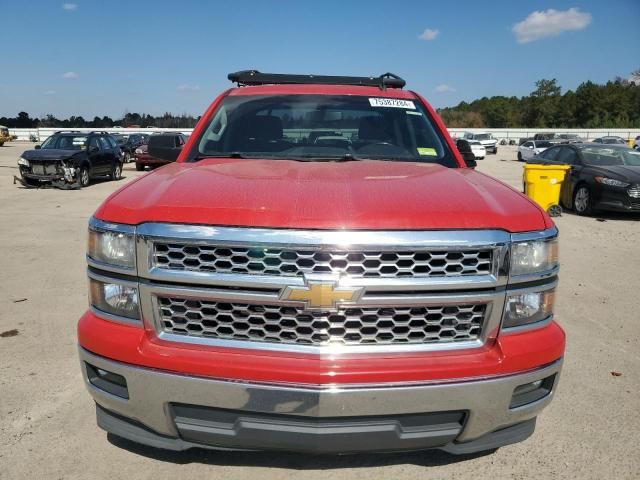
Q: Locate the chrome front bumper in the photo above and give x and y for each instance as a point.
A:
(152, 394)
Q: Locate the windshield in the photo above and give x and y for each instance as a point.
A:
(483, 136)
(322, 127)
(610, 156)
(65, 142)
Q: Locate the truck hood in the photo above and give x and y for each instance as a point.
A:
(365, 195)
(49, 154)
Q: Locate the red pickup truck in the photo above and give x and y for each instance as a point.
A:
(323, 271)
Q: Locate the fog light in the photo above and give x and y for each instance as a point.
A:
(107, 381)
(532, 391)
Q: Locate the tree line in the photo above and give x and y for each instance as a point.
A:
(168, 120)
(615, 104)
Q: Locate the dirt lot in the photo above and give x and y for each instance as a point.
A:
(47, 424)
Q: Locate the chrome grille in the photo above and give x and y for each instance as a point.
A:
(297, 262)
(634, 191)
(295, 325)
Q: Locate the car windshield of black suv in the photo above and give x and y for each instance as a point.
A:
(65, 142)
(322, 128)
(604, 157)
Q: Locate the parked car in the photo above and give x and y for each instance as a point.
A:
(478, 149)
(602, 177)
(558, 137)
(486, 139)
(636, 143)
(130, 143)
(280, 288)
(165, 142)
(70, 159)
(610, 140)
(530, 148)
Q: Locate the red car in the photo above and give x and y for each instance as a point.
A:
(164, 141)
(321, 271)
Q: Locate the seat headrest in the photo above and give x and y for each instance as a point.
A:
(373, 128)
(264, 127)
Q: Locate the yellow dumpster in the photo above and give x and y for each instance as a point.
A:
(542, 183)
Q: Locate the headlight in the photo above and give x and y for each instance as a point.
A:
(114, 298)
(112, 247)
(535, 256)
(24, 162)
(611, 182)
(138, 151)
(527, 308)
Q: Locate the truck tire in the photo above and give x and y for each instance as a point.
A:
(520, 157)
(139, 167)
(127, 157)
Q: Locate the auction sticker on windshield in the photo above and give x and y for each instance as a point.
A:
(391, 102)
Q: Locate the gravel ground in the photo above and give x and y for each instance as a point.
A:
(47, 424)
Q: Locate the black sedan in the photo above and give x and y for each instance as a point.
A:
(602, 177)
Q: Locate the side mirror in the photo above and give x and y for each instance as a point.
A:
(38, 147)
(93, 149)
(530, 147)
(464, 148)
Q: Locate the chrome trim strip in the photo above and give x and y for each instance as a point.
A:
(547, 234)
(151, 315)
(101, 225)
(398, 239)
(486, 399)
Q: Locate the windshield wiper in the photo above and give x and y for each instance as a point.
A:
(347, 157)
(217, 155)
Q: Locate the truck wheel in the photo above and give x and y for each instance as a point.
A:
(116, 171)
(519, 157)
(139, 167)
(127, 157)
(582, 200)
(84, 176)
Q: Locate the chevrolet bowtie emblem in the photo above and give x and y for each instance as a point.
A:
(325, 295)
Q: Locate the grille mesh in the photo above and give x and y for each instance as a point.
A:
(282, 262)
(350, 326)
(634, 191)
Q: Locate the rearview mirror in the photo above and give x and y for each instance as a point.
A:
(464, 147)
(37, 147)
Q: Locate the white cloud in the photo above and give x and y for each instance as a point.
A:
(70, 75)
(50, 92)
(429, 34)
(443, 88)
(69, 7)
(550, 23)
(188, 88)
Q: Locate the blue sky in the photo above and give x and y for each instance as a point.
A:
(104, 58)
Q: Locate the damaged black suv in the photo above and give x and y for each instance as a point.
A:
(71, 159)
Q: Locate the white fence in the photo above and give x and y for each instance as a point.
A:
(40, 134)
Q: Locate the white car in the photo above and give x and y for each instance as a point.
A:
(531, 148)
(478, 149)
(486, 139)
